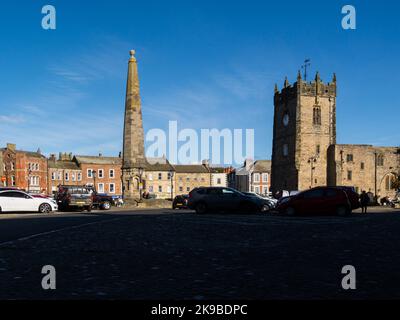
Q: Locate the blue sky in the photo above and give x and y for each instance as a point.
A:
(206, 64)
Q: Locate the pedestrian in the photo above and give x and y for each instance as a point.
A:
(364, 200)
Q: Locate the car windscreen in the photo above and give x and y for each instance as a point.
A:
(78, 191)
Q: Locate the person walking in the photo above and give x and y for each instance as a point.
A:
(364, 200)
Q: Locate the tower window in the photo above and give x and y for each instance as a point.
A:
(362, 166)
(349, 175)
(349, 158)
(318, 149)
(285, 150)
(317, 116)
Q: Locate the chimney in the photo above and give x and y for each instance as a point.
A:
(11, 146)
(52, 157)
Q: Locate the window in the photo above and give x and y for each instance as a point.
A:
(101, 173)
(187, 179)
(112, 173)
(79, 176)
(350, 158)
(380, 160)
(151, 188)
(318, 149)
(219, 181)
(150, 176)
(202, 179)
(349, 175)
(100, 188)
(265, 190)
(188, 189)
(256, 177)
(169, 189)
(90, 173)
(265, 177)
(160, 176)
(169, 176)
(317, 116)
(13, 181)
(362, 166)
(257, 190)
(73, 176)
(66, 176)
(314, 194)
(34, 181)
(159, 188)
(112, 187)
(180, 189)
(53, 176)
(12, 166)
(285, 150)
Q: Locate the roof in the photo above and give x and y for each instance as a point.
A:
(262, 166)
(218, 169)
(27, 153)
(190, 168)
(98, 160)
(63, 164)
(158, 164)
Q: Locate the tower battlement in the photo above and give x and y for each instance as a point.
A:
(306, 88)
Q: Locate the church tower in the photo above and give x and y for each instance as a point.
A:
(134, 161)
(304, 128)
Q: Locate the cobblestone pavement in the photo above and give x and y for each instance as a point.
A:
(165, 254)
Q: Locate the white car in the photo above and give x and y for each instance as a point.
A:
(19, 201)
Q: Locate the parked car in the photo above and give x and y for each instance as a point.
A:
(180, 202)
(74, 197)
(270, 201)
(101, 200)
(19, 201)
(353, 196)
(224, 199)
(320, 200)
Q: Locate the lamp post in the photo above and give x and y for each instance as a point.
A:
(140, 182)
(29, 179)
(94, 174)
(171, 176)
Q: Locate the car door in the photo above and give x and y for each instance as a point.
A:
(311, 202)
(214, 198)
(230, 199)
(6, 202)
(27, 203)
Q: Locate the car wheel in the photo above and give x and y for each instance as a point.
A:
(201, 208)
(290, 211)
(106, 205)
(265, 208)
(44, 208)
(342, 211)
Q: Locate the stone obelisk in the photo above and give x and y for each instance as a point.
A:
(134, 161)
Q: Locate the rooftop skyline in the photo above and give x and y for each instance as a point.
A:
(205, 65)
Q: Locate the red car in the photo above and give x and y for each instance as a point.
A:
(320, 200)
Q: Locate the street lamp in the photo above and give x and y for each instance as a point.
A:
(171, 176)
(29, 179)
(141, 169)
(94, 174)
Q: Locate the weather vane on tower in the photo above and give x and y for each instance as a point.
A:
(307, 63)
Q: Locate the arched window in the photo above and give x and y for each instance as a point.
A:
(317, 116)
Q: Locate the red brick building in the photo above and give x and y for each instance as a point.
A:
(102, 172)
(24, 169)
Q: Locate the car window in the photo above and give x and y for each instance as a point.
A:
(214, 192)
(313, 194)
(330, 193)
